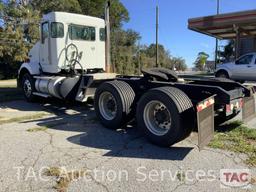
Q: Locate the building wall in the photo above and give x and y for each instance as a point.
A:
(248, 45)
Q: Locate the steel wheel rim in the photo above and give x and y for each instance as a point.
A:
(157, 126)
(27, 88)
(107, 106)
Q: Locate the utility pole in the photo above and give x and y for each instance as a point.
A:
(217, 42)
(157, 36)
(139, 64)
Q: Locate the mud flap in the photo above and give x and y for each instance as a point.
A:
(248, 111)
(205, 121)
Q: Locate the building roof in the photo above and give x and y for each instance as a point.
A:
(224, 26)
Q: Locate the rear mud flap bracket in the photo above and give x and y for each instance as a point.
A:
(248, 111)
(205, 121)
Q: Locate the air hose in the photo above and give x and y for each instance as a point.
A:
(74, 58)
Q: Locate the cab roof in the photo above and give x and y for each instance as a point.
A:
(74, 18)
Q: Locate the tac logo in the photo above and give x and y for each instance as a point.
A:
(235, 178)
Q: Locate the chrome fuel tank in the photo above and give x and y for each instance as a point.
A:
(49, 85)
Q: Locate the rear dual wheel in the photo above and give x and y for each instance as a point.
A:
(113, 103)
(165, 115)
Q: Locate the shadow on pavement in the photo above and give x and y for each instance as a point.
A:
(82, 119)
(127, 143)
(9, 94)
(52, 105)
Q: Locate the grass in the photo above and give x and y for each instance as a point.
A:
(238, 138)
(53, 171)
(253, 180)
(181, 176)
(64, 178)
(10, 83)
(9, 91)
(23, 118)
(36, 129)
(44, 128)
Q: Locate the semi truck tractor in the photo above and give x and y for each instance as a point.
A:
(69, 55)
(71, 62)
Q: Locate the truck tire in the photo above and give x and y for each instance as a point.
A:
(114, 103)
(28, 87)
(165, 115)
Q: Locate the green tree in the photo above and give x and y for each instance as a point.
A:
(228, 53)
(163, 55)
(124, 51)
(21, 18)
(47, 6)
(148, 54)
(201, 60)
(179, 63)
(1, 5)
(18, 33)
(118, 13)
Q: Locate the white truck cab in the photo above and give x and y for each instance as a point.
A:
(70, 53)
(57, 31)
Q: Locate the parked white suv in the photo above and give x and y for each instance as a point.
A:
(243, 69)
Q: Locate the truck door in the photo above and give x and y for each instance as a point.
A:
(44, 48)
(84, 37)
(242, 68)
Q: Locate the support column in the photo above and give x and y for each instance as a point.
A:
(237, 43)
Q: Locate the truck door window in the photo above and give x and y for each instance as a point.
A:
(57, 30)
(245, 60)
(79, 32)
(102, 34)
(45, 31)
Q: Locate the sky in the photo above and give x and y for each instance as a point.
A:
(173, 17)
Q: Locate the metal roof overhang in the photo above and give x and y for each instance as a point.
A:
(226, 26)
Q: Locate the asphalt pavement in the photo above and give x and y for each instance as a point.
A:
(69, 138)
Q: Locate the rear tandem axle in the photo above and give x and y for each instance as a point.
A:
(167, 108)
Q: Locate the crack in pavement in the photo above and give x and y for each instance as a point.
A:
(99, 183)
(123, 148)
(235, 155)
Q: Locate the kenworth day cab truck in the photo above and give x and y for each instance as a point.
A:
(69, 63)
